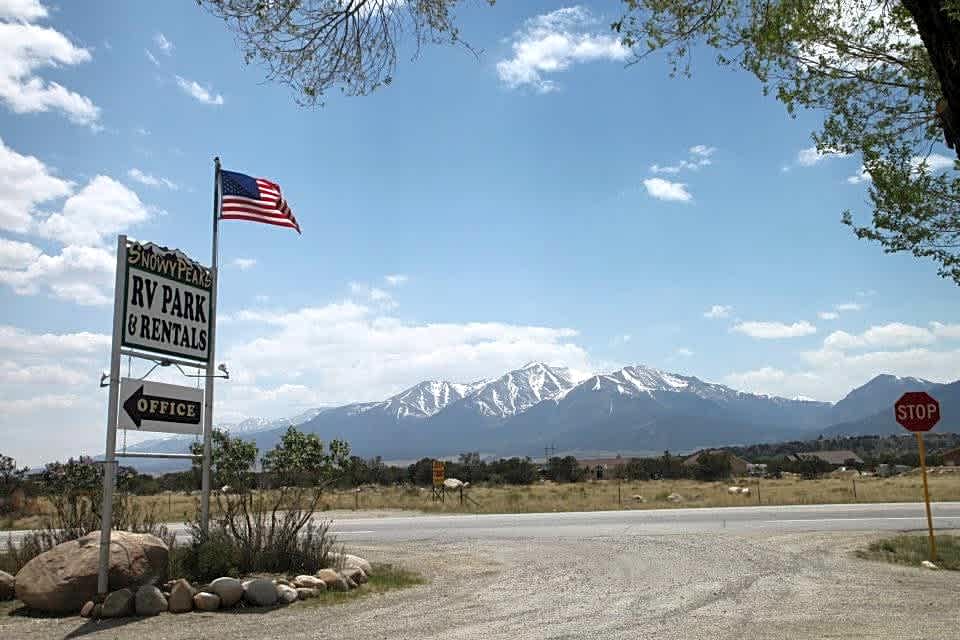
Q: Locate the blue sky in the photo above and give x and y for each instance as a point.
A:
(539, 202)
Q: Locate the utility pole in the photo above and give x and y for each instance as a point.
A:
(548, 452)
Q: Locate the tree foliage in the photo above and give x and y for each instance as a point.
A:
(864, 63)
(315, 45)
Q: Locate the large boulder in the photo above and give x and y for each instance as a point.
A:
(118, 604)
(328, 576)
(354, 574)
(181, 597)
(6, 586)
(308, 582)
(149, 601)
(230, 591)
(62, 579)
(260, 592)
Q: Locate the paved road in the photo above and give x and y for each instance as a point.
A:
(791, 519)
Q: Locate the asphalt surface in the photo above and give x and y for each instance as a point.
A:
(760, 573)
(538, 526)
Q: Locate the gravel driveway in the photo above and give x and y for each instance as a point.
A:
(687, 587)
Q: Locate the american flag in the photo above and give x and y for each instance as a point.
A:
(243, 197)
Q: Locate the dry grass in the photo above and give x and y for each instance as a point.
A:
(603, 495)
(911, 550)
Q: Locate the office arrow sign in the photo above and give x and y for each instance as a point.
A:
(156, 406)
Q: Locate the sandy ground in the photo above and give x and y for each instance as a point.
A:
(688, 587)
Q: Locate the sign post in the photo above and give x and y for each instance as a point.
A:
(439, 471)
(109, 470)
(917, 411)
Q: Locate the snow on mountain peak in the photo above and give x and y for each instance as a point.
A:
(518, 390)
(427, 398)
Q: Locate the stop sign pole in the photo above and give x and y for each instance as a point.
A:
(917, 411)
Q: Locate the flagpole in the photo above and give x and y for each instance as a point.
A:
(211, 362)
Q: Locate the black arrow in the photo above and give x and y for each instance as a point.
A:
(140, 407)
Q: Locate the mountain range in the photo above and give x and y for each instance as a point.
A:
(635, 410)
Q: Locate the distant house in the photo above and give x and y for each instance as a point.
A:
(951, 458)
(839, 458)
(738, 466)
(599, 467)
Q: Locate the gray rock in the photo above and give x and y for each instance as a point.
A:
(205, 601)
(118, 604)
(149, 601)
(328, 576)
(286, 593)
(230, 591)
(260, 592)
(181, 597)
(304, 593)
(87, 610)
(340, 584)
(6, 586)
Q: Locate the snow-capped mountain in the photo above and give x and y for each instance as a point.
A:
(517, 391)
(253, 425)
(423, 400)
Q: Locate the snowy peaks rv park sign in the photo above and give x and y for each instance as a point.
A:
(166, 303)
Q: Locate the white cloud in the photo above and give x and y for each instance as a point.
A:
(244, 264)
(102, 208)
(17, 255)
(718, 311)
(353, 352)
(699, 157)
(372, 294)
(25, 48)
(892, 335)
(163, 44)
(665, 190)
(828, 315)
(932, 163)
(942, 330)
(152, 58)
(848, 306)
(684, 352)
(78, 274)
(866, 294)
(396, 279)
(860, 177)
(12, 373)
(811, 156)
(24, 10)
(774, 330)
(198, 92)
(25, 182)
(551, 43)
(151, 180)
(45, 401)
(17, 340)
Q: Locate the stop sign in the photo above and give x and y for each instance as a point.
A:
(917, 411)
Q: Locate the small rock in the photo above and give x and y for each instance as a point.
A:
(282, 581)
(260, 592)
(350, 583)
(181, 597)
(926, 564)
(328, 576)
(87, 609)
(286, 593)
(348, 560)
(304, 593)
(7, 589)
(118, 604)
(308, 582)
(355, 574)
(149, 601)
(340, 584)
(205, 601)
(675, 497)
(638, 498)
(230, 591)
